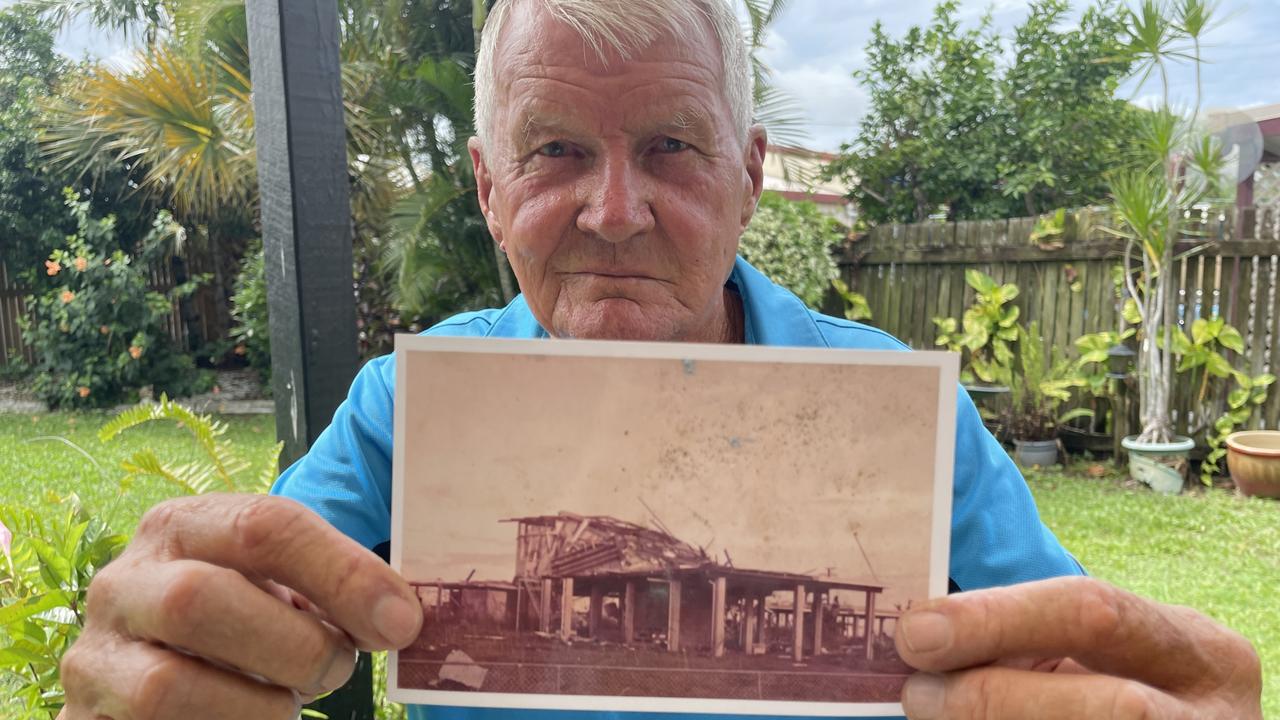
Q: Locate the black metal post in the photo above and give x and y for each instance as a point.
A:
(307, 234)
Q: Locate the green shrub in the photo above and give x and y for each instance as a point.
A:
(47, 560)
(252, 334)
(97, 329)
(792, 243)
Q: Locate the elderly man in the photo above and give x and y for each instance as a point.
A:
(617, 166)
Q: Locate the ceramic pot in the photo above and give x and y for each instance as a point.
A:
(1161, 466)
(1035, 453)
(1253, 456)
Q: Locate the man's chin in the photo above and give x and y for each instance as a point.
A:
(616, 319)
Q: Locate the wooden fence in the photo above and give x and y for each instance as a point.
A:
(13, 306)
(911, 274)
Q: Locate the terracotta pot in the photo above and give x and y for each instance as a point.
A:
(1253, 457)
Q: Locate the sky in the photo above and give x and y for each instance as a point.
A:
(816, 45)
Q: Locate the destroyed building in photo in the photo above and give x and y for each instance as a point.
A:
(599, 579)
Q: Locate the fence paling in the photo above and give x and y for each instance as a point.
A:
(913, 273)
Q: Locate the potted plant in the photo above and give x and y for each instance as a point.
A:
(1044, 381)
(984, 337)
(1182, 170)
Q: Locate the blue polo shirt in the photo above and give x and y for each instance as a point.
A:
(996, 534)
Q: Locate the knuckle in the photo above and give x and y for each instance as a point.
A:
(153, 693)
(980, 695)
(1100, 620)
(261, 520)
(104, 586)
(180, 602)
(1132, 701)
(75, 669)
(159, 519)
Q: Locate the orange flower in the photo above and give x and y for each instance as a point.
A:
(135, 352)
(84, 391)
(52, 267)
(104, 330)
(81, 264)
(67, 296)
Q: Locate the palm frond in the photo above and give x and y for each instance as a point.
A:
(167, 118)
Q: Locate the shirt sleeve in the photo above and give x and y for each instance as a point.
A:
(997, 537)
(346, 475)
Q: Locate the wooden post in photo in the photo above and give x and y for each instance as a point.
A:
(748, 624)
(629, 613)
(871, 625)
(819, 600)
(546, 605)
(597, 606)
(717, 616)
(566, 608)
(797, 619)
(673, 615)
(519, 605)
(760, 620)
(439, 601)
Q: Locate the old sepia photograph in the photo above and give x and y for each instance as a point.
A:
(679, 528)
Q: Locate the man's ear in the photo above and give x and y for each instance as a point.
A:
(757, 144)
(484, 189)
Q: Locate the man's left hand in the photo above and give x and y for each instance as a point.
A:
(1072, 648)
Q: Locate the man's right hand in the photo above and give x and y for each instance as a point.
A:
(231, 606)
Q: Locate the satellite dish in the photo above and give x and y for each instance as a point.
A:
(1241, 140)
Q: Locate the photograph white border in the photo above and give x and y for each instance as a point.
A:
(940, 545)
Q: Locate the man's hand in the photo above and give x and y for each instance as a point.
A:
(1073, 648)
(231, 606)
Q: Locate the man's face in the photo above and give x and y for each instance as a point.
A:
(619, 191)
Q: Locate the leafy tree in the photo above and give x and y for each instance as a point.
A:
(33, 217)
(956, 128)
(792, 243)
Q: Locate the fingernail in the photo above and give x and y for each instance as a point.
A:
(926, 632)
(341, 666)
(923, 696)
(397, 620)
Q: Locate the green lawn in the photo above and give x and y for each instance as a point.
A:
(35, 470)
(1215, 552)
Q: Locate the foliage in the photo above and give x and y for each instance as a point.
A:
(55, 554)
(43, 584)
(1180, 170)
(222, 468)
(856, 306)
(792, 243)
(1203, 354)
(99, 332)
(249, 309)
(1250, 393)
(32, 214)
(986, 332)
(970, 124)
(1045, 380)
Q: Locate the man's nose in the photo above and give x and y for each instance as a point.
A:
(617, 204)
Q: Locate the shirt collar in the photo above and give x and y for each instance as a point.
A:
(771, 315)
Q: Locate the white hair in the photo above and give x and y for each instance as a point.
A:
(628, 26)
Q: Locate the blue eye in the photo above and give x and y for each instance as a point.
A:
(672, 145)
(554, 149)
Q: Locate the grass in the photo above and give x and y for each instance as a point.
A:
(1215, 552)
(36, 468)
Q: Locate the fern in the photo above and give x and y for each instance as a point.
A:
(221, 466)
